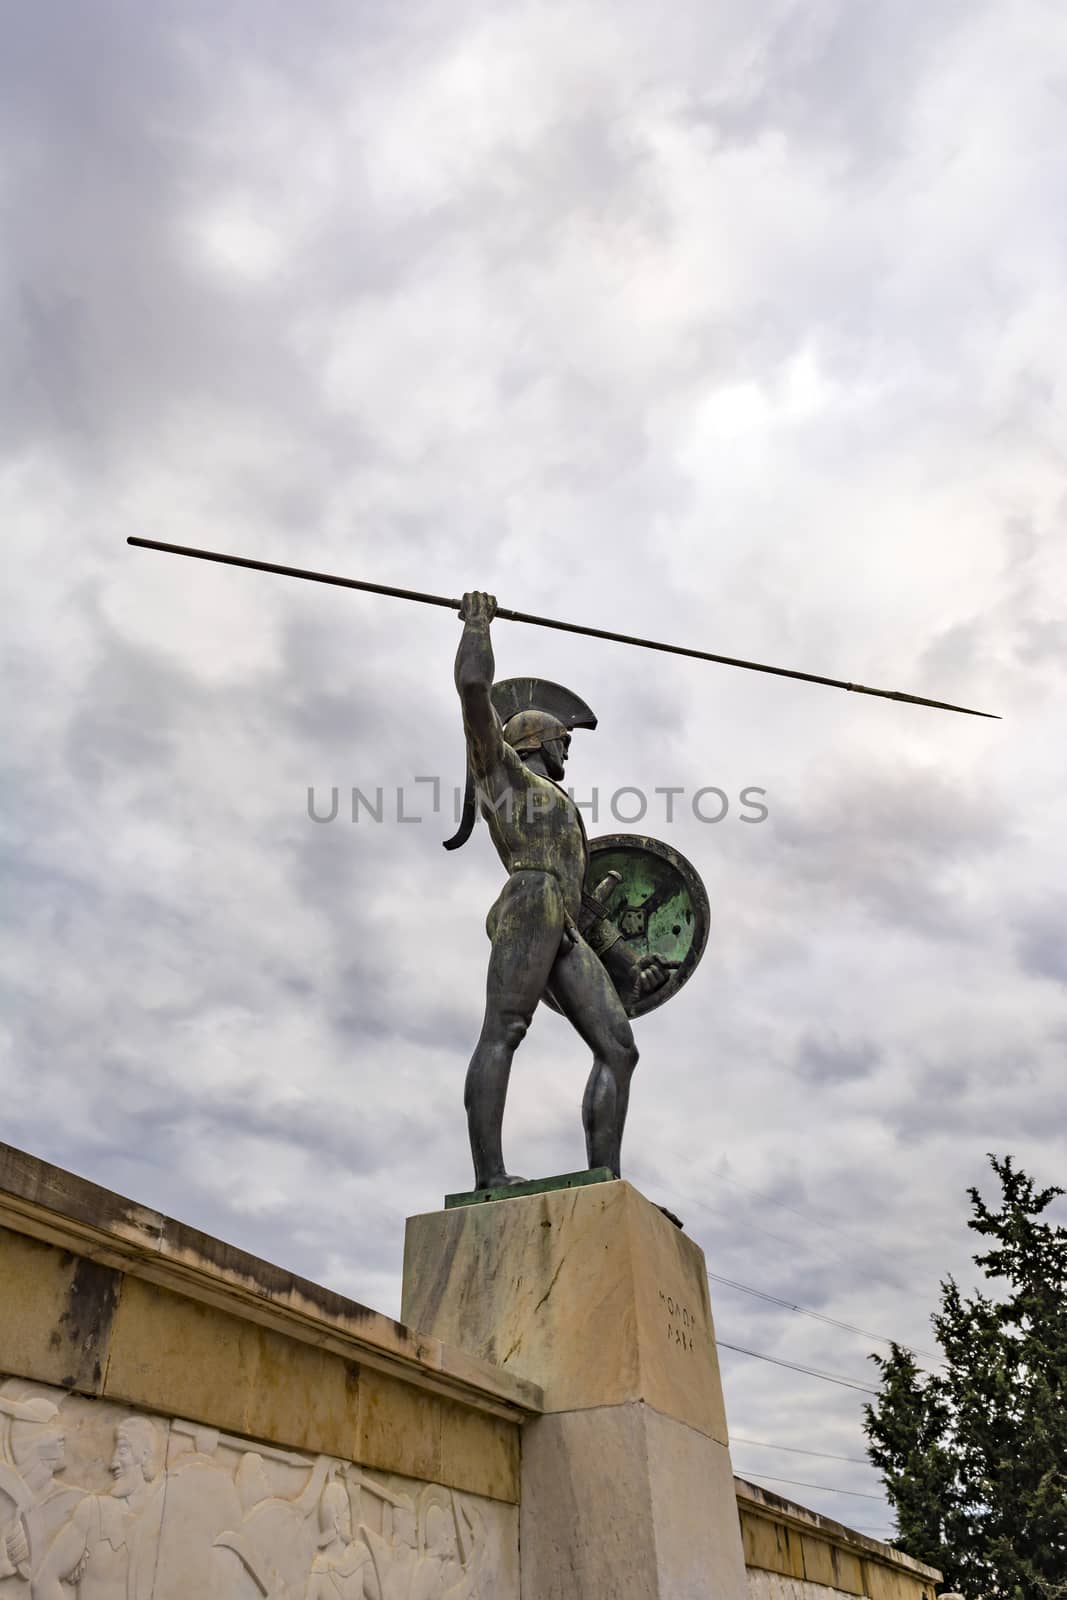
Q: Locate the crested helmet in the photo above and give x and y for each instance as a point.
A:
(529, 730)
(526, 727)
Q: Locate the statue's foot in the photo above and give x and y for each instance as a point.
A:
(678, 1223)
(499, 1180)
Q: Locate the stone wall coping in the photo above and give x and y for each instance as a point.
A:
(62, 1209)
(751, 1497)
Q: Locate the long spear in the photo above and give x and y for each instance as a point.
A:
(548, 622)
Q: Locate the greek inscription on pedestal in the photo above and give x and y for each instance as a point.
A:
(681, 1324)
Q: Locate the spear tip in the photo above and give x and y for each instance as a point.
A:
(921, 700)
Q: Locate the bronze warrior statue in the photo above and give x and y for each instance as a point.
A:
(538, 951)
(601, 945)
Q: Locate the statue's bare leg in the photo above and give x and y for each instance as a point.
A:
(526, 925)
(586, 995)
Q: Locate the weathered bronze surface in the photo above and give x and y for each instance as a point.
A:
(539, 922)
(642, 897)
(515, 1191)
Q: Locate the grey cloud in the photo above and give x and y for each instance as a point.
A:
(956, 650)
(827, 1058)
(134, 709)
(1042, 942)
(108, 114)
(373, 1018)
(165, 1115)
(844, 73)
(332, 690)
(890, 840)
(1043, 642)
(1037, 641)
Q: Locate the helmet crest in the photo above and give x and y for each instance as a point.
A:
(533, 711)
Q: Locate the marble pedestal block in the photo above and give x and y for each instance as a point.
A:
(627, 1489)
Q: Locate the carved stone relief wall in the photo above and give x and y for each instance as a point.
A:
(100, 1502)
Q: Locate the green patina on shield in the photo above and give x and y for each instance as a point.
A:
(652, 905)
(660, 907)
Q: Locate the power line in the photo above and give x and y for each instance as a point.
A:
(794, 1366)
(794, 1449)
(789, 1305)
(820, 1316)
(827, 1488)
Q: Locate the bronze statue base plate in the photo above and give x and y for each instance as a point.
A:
(512, 1191)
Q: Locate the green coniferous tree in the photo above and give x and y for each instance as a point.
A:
(974, 1455)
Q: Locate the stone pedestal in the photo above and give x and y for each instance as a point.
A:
(627, 1488)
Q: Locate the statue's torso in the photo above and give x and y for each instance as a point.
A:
(535, 825)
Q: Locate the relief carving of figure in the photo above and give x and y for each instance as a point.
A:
(343, 1567)
(451, 1546)
(394, 1551)
(435, 1554)
(202, 1502)
(275, 1538)
(107, 1549)
(33, 1507)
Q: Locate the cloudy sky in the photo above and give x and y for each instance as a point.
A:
(737, 325)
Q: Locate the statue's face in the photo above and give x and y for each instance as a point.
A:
(37, 1446)
(555, 753)
(441, 1535)
(52, 1449)
(335, 1516)
(126, 1466)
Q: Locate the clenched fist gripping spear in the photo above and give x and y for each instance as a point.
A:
(602, 930)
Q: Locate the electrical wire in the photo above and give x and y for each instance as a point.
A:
(795, 1449)
(827, 1488)
(820, 1316)
(863, 1272)
(795, 1366)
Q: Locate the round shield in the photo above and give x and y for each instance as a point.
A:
(654, 897)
